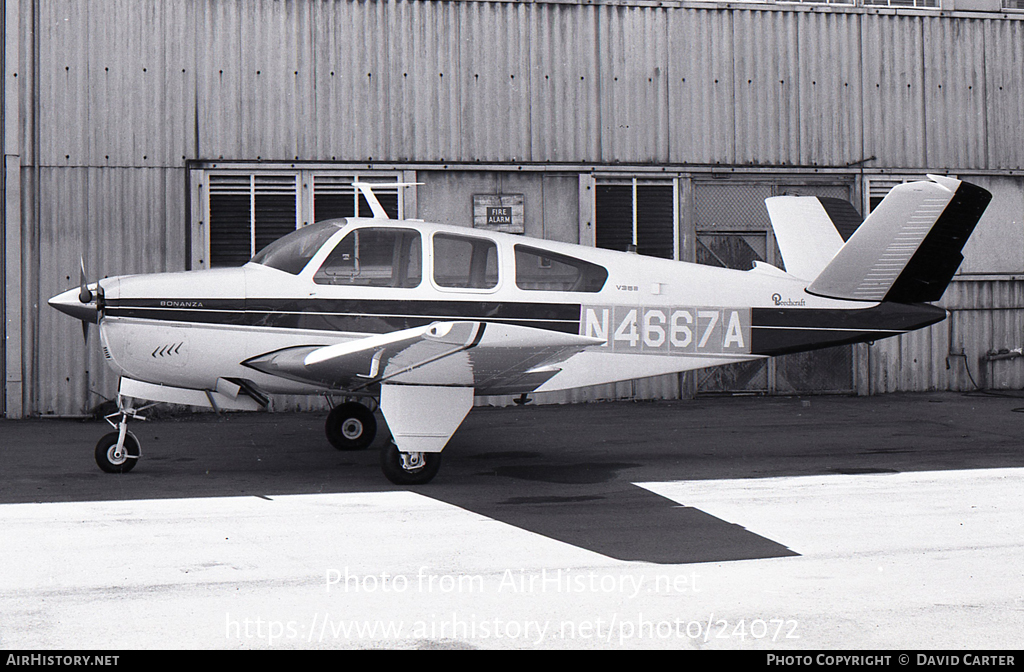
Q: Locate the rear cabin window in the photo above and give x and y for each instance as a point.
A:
(540, 270)
(374, 257)
(465, 262)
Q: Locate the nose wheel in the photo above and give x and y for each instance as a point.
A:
(118, 452)
(116, 456)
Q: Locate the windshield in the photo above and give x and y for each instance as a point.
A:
(291, 253)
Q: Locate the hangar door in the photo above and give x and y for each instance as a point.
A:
(733, 231)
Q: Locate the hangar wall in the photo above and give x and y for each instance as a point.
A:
(109, 103)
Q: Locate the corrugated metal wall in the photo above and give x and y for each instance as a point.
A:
(123, 83)
(985, 316)
(115, 96)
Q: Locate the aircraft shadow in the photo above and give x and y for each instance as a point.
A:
(563, 472)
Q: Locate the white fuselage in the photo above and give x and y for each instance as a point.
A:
(656, 316)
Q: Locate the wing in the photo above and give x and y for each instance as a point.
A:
(490, 357)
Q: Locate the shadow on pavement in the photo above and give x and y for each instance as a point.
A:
(564, 472)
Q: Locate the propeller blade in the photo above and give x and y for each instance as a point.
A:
(85, 331)
(84, 295)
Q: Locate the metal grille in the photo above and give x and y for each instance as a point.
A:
(828, 370)
(724, 206)
(732, 378)
(655, 220)
(878, 187)
(248, 211)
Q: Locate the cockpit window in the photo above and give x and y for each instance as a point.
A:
(541, 270)
(374, 257)
(291, 253)
(465, 262)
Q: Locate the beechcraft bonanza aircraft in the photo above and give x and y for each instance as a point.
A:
(421, 317)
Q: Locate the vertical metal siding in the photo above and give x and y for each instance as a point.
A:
(1004, 93)
(985, 316)
(563, 65)
(892, 56)
(129, 84)
(122, 221)
(701, 96)
(495, 98)
(831, 101)
(954, 85)
(633, 79)
(766, 86)
(425, 111)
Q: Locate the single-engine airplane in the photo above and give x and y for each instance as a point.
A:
(419, 318)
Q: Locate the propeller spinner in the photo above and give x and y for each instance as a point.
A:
(82, 303)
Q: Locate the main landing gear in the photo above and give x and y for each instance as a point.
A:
(118, 452)
(408, 468)
(351, 426)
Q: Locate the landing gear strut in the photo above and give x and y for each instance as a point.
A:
(408, 468)
(118, 452)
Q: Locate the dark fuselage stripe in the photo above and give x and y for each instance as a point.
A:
(347, 315)
(779, 331)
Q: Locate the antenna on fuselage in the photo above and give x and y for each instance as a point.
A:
(366, 189)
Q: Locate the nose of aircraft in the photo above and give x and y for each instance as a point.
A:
(71, 304)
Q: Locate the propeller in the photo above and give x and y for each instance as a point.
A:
(84, 295)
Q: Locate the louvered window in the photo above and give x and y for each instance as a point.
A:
(247, 213)
(334, 196)
(638, 213)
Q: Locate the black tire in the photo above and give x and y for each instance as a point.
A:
(105, 453)
(351, 426)
(391, 464)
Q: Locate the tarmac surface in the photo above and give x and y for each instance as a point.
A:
(890, 522)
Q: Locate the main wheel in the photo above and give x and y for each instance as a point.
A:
(350, 426)
(106, 448)
(408, 468)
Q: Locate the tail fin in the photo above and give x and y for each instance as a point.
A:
(810, 230)
(909, 247)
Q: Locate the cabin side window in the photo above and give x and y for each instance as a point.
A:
(540, 270)
(464, 262)
(374, 257)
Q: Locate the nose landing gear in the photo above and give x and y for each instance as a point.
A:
(118, 452)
